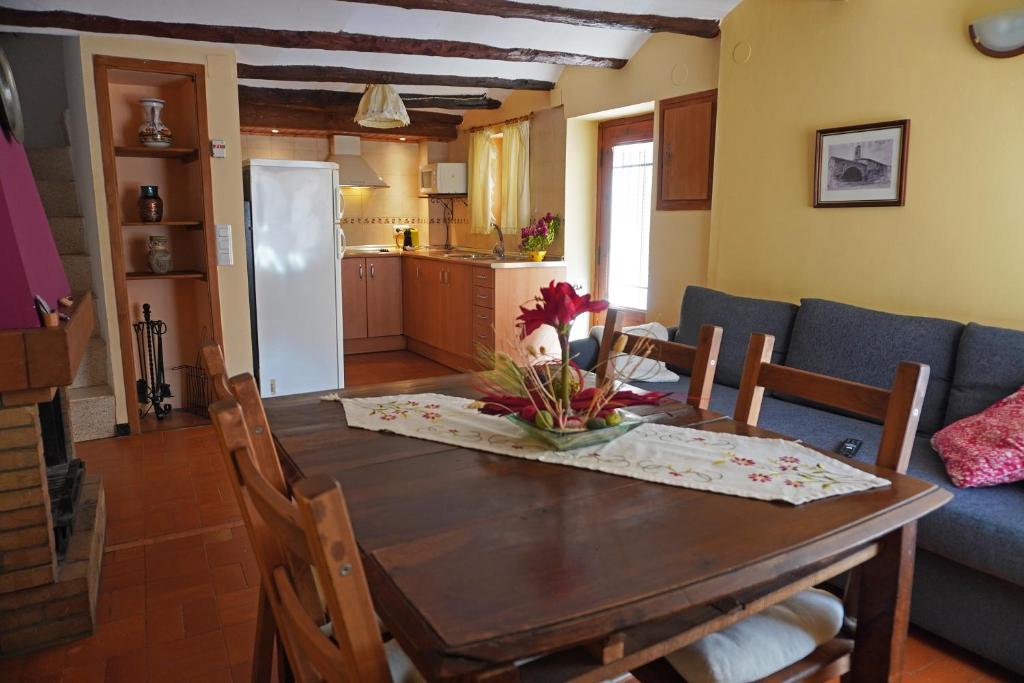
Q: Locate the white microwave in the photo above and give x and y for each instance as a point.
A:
(443, 178)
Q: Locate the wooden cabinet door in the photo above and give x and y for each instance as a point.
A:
(412, 297)
(458, 303)
(686, 151)
(383, 296)
(431, 295)
(353, 297)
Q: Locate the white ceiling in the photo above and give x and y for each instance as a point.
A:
(353, 17)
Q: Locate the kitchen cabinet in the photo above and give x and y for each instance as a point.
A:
(686, 151)
(371, 303)
(452, 309)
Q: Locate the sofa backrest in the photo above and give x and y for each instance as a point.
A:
(866, 346)
(739, 317)
(989, 366)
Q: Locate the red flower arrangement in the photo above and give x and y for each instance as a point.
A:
(551, 394)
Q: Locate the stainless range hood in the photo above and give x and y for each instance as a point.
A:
(353, 171)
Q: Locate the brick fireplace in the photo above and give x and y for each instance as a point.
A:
(51, 546)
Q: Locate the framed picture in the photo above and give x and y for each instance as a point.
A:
(861, 165)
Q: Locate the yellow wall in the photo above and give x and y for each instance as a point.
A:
(222, 104)
(666, 66)
(955, 249)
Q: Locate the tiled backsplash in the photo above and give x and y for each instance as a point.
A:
(369, 213)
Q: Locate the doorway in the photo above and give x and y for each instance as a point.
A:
(625, 178)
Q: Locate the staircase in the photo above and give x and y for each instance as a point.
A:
(91, 398)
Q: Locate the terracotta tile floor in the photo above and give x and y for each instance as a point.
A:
(179, 584)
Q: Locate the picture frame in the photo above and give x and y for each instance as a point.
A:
(862, 165)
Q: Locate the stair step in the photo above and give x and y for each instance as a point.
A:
(51, 163)
(92, 412)
(60, 198)
(78, 268)
(93, 368)
(69, 234)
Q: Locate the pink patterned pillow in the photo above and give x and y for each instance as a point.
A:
(988, 448)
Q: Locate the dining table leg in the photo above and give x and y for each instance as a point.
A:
(883, 609)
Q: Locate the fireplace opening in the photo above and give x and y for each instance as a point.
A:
(64, 472)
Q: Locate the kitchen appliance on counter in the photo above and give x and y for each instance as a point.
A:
(295, 244)
(443, 178)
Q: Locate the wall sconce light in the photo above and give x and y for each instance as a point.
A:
(1000, 35)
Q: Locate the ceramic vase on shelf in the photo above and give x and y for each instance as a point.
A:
(159, 254)
(151, 207)
(537, 255)
(153, 132)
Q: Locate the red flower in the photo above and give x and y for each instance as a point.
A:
(558, 305)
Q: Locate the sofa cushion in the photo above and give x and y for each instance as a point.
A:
(866, 346)
(979, 528)
(739, 317)
(989, 366)
(986, 449)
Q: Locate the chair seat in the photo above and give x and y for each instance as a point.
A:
(763, 643)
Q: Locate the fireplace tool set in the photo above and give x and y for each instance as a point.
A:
(152, 388)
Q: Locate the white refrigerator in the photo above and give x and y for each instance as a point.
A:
(295, 244)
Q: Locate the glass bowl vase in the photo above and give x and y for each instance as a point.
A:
(571, 439)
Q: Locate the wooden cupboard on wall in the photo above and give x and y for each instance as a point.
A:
(686, 151)
(371, 304)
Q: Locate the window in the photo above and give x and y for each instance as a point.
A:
(626, 178)
(499, 177)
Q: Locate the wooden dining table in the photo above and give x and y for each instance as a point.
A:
(492, 568)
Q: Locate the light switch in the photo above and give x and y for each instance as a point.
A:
(225, 252)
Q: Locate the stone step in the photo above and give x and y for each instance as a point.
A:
(59, 197)
(51, 163)
(78, 268)
(69, 234)
(93, 368)
(92, 412)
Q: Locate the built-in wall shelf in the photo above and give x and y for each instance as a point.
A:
(165, 224)
(169, 275)
(183, 153)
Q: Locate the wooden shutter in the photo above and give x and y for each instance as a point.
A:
(686, 151)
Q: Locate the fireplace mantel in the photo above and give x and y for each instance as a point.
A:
(37, 360)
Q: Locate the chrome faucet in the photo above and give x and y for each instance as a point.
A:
(499, 249)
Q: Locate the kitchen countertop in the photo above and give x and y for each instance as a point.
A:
(482, 259)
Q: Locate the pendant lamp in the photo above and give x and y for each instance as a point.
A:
(381, 107)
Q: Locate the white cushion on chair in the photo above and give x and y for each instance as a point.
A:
(402, 668)
(763, 643)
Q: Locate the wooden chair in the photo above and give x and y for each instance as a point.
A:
(291, 541)
(700, 360)
(899, 409)
(244, 390)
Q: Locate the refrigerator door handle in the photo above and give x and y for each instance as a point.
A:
(340, 242)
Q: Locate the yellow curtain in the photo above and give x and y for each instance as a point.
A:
(515, 176)
(481, 170)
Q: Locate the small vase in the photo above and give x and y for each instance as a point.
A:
(159, 255)
(151, 207)
(537, 255)
(153, 132)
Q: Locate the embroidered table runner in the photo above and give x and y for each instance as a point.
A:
(766, 469)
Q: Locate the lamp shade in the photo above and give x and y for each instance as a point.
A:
(381, 107)
(1000, 35)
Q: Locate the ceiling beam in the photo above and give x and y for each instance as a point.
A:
(315, 40)
(262, 118)
(330, 99)
(341, 74)
(507, 9)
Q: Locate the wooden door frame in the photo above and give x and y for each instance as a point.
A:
(638, 128)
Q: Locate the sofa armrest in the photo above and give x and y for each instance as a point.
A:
(584, 352)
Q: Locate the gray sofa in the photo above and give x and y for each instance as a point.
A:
(969, 580)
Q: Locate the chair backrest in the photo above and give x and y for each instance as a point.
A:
(898, 408)
(291, 540)
(700, 360)
(243, 389)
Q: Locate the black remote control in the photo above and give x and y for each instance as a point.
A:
(849, 447)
